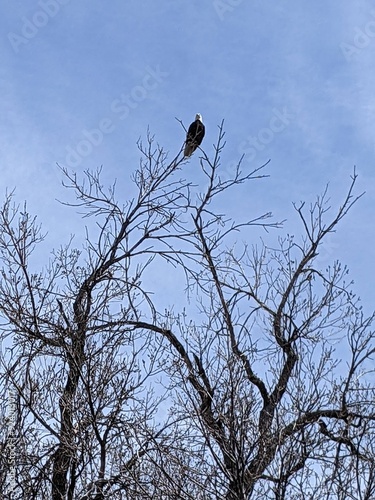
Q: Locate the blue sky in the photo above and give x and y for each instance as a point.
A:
(82, 80)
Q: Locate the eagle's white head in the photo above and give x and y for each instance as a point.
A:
(198, 116)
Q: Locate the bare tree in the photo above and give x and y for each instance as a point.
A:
(260, 388)
(85, 401)
(277, 378)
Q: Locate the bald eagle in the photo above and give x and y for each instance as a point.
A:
(194, 136)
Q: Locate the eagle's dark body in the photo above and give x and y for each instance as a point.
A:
(194, 136)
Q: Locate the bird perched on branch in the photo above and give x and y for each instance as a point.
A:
(194, 135)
